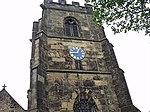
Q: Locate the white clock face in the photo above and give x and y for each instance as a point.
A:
(77, 53)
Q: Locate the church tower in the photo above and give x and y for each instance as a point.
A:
(73, 66)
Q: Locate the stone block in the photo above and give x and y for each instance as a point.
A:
(86, 76)
(51, 54)
(113, 107)
(72, 76)
(57, 47)
(85, 28)
(64, 104)
(52, 76)
(37, 41)
(100, 56)
(58, 59)
(41, 78)
(70, 106)
(74, 95)
(100, 83)
(52, 41)
(102, 92)
(84, 63)
(97, 101)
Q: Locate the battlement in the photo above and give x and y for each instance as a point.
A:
(62, 5)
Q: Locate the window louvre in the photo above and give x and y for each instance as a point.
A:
(71, 27)
(75, 30)
(67, 30)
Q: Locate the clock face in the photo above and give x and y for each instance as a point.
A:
(77, 53)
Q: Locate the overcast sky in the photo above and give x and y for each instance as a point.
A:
(132, 51)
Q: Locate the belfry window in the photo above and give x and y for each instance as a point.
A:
(71, 27)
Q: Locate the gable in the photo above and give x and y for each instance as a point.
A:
(8, 104)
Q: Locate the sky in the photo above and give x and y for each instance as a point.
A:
(132, 50)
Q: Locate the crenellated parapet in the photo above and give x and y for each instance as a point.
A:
(62, 5)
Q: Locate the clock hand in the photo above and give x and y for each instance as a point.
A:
(78, 50)
(73, 52)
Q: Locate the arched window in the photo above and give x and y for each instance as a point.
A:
(84, 103)
(71, 27)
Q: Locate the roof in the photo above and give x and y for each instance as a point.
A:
(7, 102)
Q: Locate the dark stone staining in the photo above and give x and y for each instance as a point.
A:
(127, 109)
(103, 101)
(97, 77)
(40, 86)
(93, 65)
(59, 65)
(55, 104)
(88, 83)
(39, 89)
(41, 101)
(58, 31)
(60, 88)
(78, 83)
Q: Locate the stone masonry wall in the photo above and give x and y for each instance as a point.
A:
(8, 104)
(59, 58)
(65, 88)
(54, 23)
(57, 84)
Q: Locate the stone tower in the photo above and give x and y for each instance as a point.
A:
(73, 65)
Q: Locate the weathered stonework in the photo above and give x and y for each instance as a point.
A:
(8, 104)
(63, 89)
(61, 84)
(59, 58)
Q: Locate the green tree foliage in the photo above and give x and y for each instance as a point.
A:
(122, 15)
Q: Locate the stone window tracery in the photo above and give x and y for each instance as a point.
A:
(71, 27)
(84, 103)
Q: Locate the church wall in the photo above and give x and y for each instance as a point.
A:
(57, 80)
(54, 21)
(59, 58)
(63, 89)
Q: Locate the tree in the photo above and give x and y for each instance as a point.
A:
(122, 15)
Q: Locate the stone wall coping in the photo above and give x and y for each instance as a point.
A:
(39, 34)
(78, 71)
(68, 7)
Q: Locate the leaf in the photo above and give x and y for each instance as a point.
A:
(122, 15)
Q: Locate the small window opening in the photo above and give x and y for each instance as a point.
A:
(78, 64)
